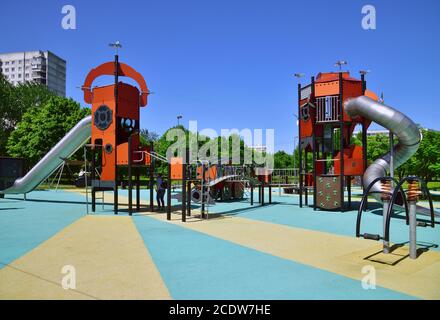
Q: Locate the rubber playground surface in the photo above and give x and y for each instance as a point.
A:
(278, 251)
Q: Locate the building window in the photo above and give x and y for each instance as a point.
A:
(19, 68)
(26, 68)
(27, 75)
(19, 75)
(7, 63)
(12, 69)
(12, 76)
(19, 61)
(6, 69)
(13, 62)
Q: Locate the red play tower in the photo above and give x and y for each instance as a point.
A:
(115, 127)
(325, 130)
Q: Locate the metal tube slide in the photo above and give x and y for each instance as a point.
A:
(399, 124)
(65, 148)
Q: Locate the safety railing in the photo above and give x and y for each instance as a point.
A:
(153, 154)
(327, 109)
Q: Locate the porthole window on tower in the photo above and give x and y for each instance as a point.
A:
(305, 112)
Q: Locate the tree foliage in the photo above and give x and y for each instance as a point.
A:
(283, 160)
(204, 143)
(146, 137)
(425, 163)
(41, 128)
(14, 102)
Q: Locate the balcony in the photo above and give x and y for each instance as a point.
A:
(327, 109)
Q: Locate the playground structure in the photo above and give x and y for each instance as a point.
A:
(325, 129)
(116, 154)
(113, 128)
(205, 183)
(115, 144)
(330, 108)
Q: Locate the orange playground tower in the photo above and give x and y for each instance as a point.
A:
(115, 128)
(325, 130)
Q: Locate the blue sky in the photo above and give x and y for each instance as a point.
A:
(230, 64)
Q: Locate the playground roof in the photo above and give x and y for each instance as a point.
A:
(334, 76)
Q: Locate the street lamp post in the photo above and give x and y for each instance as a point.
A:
(294, 149)
(178, 119)
(298, 76)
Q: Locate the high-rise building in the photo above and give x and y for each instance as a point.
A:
(43, 67)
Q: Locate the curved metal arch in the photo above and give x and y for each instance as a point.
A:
(365, 196)
(108, 68)
(424, 188)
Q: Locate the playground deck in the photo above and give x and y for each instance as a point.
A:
(278, 251)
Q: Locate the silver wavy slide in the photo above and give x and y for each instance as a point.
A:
(403, 127)
(65, 148)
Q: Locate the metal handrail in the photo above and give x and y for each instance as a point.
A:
(152, 154)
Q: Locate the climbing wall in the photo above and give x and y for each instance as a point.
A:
(328, 192)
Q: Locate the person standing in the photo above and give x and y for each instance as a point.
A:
(160, 192)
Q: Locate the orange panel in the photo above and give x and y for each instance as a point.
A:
(353, 162)
(371, 95)
(122, 150)
(211, 173)
(176, 168)
(306, 128)
(307, 125)
(105, 96)
(326, 88)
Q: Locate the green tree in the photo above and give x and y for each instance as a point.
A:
(14, 102)
(283, 160)
(146, 137)
(377, 146)
(41, 128)
(425, 163)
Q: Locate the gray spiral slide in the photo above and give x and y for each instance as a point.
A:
(65, 148)
(403, 127)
